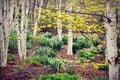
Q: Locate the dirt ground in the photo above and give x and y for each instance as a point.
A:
(15, 71)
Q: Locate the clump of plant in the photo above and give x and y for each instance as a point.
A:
(48, 35)
(56, 45)
(35, 59)
(46, 51)
(101, 78)
(65, 39)
(80, 43)
(84, 56)
(64, 76)
(13, 41)
(102, 66)
(69, 68)
(45, 41)
(28, 45)
(56, 64)
(11, 57)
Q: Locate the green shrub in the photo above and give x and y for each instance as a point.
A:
(45, 41)
(70, 69)
(75, 47)
(64, 76)
(96, 42)
(101, 78)
(80, 43)
(28, 35)
(13, 41)
(42, 59)
(29, 45)
(84, 43)
(56, 45)
(84, 56)
(46, 51)
(65, 39)
(11, 57)
(48, 35)
(56, 64)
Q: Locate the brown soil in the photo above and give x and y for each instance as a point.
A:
(14, 70)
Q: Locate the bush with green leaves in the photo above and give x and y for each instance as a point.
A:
(96, 42)
(80, 43)
(64, 76)
(84, 56)
(42, 59)
(45, 42)
(13, 41)
(56, 64)
(11, 57)
(101, 78)
(46, 51)
(48, 35)
(56, 45)
(29, 45)
(65, 39)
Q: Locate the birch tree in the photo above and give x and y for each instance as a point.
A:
(2, 46)
(59, 21)
(37, 18)
(70, 34)
(112, 41)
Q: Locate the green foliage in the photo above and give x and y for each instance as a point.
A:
(45, 41)
(40, 40)
(46, 51)
(84, 56)
(64, 76)
(29, 45)
(11, 57)
(101, 78)
(42, 59)
(75, 47)
(28, 35)
(65, 39)
(56, 64)
(13, 41)
(103, 66)
(80, 43)
(48, 35)
(56, 45)
(96, 42)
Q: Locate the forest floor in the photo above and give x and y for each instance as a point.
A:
(16, 71)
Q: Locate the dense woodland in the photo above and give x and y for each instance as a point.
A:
(59, 39)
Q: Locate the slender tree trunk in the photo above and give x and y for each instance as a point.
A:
(112, 41)
(38, 17)
(17, 29)
(70, 34)
(2, 46)
(59, 21)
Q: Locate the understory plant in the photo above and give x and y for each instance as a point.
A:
(84, 56)
(64, 76)
(46, 51)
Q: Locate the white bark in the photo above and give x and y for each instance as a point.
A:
(38, 17)
(70, 34)
(2, 47)
(59, 21)
(22, 32)
(112, 41)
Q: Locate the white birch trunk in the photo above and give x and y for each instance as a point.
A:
(112, 41)
(17, 29)
(59, 21)
(70, 34)
(2, 46)
(22, 30)
(37, 18)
